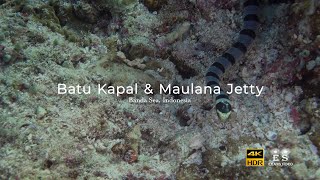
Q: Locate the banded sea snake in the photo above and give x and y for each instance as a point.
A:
(237, 50)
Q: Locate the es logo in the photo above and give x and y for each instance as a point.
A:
(280, 157)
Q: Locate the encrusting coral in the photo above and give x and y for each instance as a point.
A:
(45, 135)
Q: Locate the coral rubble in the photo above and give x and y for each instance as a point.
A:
(44, 135)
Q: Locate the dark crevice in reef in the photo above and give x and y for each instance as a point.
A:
(184, 69)
(304, 125)
(153, 5)
(183, 116)
(47, 164)
(310, 83)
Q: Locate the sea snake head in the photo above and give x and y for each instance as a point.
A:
(223, 109)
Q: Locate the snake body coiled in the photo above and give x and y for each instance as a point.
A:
(238, 49)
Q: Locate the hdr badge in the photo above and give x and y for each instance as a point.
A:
(255, 157)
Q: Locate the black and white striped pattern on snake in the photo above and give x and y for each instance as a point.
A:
(237, 50)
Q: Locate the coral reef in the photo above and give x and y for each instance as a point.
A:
(46, 135)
